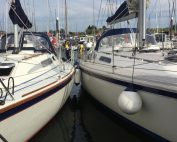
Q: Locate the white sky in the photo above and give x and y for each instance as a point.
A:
(80, 13)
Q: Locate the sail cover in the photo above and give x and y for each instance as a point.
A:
(123, 13)
(18, 16)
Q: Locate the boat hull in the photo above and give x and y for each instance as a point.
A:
(157, 114)
(21, 122)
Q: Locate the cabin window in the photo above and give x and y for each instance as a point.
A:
(35, 41)
(7, 43)
(150, 40)
(46, 62)
(160, 37)
(105, 59)
(116, 41)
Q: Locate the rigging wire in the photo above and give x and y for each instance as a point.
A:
(27, 28)
(134, 52)
(153, 8)
(175, 13)
(33, 14)
(94, 18)
(99, 12)
(104, 11)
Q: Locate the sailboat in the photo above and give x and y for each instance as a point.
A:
(34, 83)
(138, 87)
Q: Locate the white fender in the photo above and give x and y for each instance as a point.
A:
(130, 102)
(77, 77)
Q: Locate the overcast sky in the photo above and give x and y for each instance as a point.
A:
(80, 12)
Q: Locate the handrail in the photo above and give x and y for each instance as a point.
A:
(1, 94)
(7, 89)
(2, 138)
(8, 86)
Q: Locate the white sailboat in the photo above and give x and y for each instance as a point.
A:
(139, 87)
(34, 84)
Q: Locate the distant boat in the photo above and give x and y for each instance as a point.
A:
(34, 84)
(163, 41)
(137, 86)
(88, 41)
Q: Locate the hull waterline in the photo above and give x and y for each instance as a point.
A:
(157, 115)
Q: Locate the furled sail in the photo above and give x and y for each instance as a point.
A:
(18, 16)
(126, 11)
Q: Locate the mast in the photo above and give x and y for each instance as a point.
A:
(94, 18)
(66, 20)
(15, 33)
(142, 22)
(175, 16)
(34, 15)
(171, 27)
(157, 27)
(59, 55)
(58, 37)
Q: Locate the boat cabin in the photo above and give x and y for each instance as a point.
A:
(34, 42)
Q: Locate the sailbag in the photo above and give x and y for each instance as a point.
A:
(18, 16)
(126, 11)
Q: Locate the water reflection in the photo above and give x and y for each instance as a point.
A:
(83, 120)
(58, 129)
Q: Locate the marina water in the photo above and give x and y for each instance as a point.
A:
(82, 119)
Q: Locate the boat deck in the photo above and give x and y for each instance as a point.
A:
(149, 68)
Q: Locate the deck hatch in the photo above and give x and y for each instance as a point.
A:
(46, 62)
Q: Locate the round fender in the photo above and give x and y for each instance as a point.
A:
(129, 102)
(77, 77)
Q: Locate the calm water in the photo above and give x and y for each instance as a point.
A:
(85, 120)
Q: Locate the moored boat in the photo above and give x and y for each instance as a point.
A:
(139, 87)
(34, 83)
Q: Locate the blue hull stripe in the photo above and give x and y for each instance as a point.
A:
(127, 84)
(32, 102)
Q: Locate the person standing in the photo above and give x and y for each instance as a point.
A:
(67, 47)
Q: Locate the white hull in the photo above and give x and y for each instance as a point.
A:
(157, 115)
(24, 124)
(34, 85)
(140, 87)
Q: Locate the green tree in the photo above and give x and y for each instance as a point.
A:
(90, 29)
